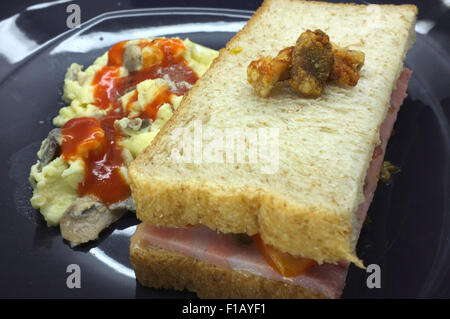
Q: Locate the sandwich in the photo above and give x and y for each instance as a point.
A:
(251, 193)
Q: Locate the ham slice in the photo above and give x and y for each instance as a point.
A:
(225, 250)
(397, 97)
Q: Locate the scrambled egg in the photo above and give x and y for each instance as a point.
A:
(55, 186)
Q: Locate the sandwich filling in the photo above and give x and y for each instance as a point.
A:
(226, 250)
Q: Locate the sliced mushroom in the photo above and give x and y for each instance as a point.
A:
(145, 123)
(85, 219)
(132, 58)
(137, 123)
(134, 125)
(51, 148)
(126, 204)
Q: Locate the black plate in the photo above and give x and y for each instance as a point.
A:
(409, 232)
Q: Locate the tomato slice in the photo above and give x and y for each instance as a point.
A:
(283, 263)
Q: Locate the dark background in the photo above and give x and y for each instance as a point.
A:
(44, 24)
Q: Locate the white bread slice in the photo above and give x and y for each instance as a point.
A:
(306, 208)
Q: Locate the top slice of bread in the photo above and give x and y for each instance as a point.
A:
(308, 205)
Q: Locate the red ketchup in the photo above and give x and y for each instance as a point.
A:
(95, 141)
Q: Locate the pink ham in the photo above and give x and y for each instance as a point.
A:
(225, 251)
(397, 97)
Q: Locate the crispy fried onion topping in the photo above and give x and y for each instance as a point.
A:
(309, 66)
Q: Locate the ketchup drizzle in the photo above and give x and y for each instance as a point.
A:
(96, 140)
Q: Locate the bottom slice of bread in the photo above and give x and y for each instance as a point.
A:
(160, 268)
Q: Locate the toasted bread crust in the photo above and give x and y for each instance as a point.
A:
(159, 268)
